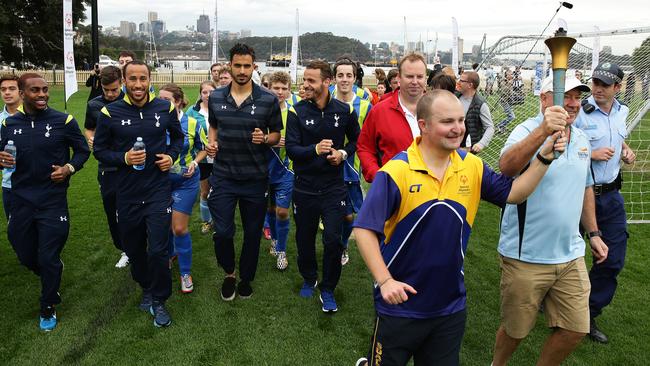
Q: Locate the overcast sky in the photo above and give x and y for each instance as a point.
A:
(381, 20)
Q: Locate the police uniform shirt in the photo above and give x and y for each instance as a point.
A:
(605, 130)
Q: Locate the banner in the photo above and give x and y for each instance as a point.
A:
(595, 52)
(454, 45)
(215, 37)
(70, 79)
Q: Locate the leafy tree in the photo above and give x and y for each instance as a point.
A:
(39, 24)
(641, 57)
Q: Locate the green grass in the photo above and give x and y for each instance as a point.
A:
(100, 323)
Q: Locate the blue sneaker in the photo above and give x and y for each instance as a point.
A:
(48, 319)
(146, 302)
(328, 301)
(307, 290)
(161, 316)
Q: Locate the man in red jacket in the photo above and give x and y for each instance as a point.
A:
(392, 124)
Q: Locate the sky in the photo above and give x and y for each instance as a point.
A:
(380, 20)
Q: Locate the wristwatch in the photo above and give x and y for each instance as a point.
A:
(594, 233)
(344, 154)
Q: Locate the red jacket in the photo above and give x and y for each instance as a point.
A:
(385, 133)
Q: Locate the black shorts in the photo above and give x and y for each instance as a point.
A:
(205, 169)
(434, 341)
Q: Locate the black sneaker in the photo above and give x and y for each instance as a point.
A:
(244, 289)
(147, 299)
(228, 288)
(161, 316)
(596, 334)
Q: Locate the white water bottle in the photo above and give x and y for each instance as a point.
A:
(11, 149)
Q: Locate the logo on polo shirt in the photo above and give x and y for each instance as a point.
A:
(583, 153)
(336, 119)
(18, 131)
(309, 122)
(224, 107)
(463, 187)
(48, 128)
(157, 117)
(415, 188)
(127, 122)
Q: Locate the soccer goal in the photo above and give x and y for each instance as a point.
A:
(509, 88)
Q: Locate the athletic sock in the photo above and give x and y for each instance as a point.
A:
(205, 211)
(184, 251)
(282, 228)
(270, 216)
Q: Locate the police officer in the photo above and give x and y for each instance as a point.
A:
(38, 223)
(605, 126)
(144, 199)
(315, 141)
(110, 79)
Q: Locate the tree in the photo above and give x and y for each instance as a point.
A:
(641, 57)
(38, 26)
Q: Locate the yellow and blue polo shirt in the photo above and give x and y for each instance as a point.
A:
(424, 224)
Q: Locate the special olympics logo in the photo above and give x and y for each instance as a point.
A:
(70, 57)
(68, 20)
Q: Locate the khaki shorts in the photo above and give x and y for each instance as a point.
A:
(564, 289)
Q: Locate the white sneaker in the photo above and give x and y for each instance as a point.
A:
(206, 227)
(282, 261)
(123, 262)
(362, 362)
(187, 285)
(345, 257)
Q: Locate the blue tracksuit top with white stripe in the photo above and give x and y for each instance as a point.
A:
(119, 124)
(43, 139)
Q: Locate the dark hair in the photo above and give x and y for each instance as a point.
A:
(242, 49)
(443, 81)
(109, 75)
(324, 67)
(8, 77)
(135, 62)
(214, 64)
(475, 65)
(342, 61)
(127, 54)
(177, 93)
(22, 80)
(392, 74)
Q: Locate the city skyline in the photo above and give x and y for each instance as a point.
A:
(375, 24)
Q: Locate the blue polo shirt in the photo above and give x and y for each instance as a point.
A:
(605, 130)
(424, 224)
(544, 229)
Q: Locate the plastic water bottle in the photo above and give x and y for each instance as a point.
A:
(11, 149)
(139, 145)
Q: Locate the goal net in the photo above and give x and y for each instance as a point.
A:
(510, 93)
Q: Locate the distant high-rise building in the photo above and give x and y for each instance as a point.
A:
(460, 50)
(246, 33)
(203, 24)
(152, 16)
(144, 27)
(127, 29)
(158, 28)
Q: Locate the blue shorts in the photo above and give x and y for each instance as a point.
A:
(354, 199)
(280, 193)
(184, 192)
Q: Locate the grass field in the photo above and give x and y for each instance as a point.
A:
(101, 325)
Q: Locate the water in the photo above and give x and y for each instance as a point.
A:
(11, 149)
(139, 145)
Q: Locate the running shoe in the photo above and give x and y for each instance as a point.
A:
(123, 262)
(244, 289)
(228, 288)
(187, 285)
(267, 233)
(345, 257)
(47, 318)
(328, 301)
(307, 290)
(282, 262)
(206, 227)
(362, 362)
(147, 300)
(160, 314)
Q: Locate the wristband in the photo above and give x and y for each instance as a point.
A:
(543, 159)
(384, 282)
